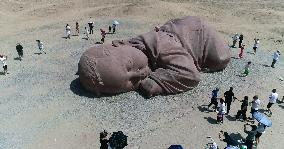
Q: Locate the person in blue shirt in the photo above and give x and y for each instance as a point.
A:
(214, 99)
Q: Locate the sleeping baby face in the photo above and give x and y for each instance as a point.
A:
(109, 69)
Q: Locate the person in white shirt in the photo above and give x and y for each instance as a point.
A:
(235, 39)
(3, 59)
(255, 105)
(272, 100)
(68, 31)
(221, 111)
(276, 56)
(40, 46)
(255, 45)
(87, 33)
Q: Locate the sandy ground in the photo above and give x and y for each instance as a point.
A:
(43, 106)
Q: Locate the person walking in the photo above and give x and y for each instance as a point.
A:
(276, 56)
(242, 51)
(77, 29)
(214, 98)
(244, 108)
(241, 38)
(235, 39)
(247, 68)
(272, 100)
(68, 31)
(229, 96)
(3, 59)
(20, 51)
(87, 33)
(40, 46)
(255, 45)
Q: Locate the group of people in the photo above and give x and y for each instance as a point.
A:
(223, 108)
(236, 37)
(90, 30)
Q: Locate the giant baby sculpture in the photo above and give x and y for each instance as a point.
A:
(167, 60)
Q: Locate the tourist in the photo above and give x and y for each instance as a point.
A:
(40, 46)
(255, 45)
(246, 72)
(104, 140)
(255, 105)
(103, 33)
(77, 29)
(20, 51)
(276, 56)
(113, 28)
(221, 111)
(244, 108)
(3, 59)
(87, 33)
(272, 100)
(242, 51)
(235, 39)
(68, 31)
(229, 96)
(91, 27)
(241, 38)
(109, 29)
(214, 98)
(249, 141)
(260, 130)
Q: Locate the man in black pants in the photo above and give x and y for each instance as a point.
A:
(91, 26)
(244, 108)
(241, 38)
(229, 96)
(249, 142)
(20, 51)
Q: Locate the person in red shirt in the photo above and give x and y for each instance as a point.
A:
(242, 51)
(103, 33)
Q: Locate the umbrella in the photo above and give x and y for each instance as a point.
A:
(262, 119)
(175, 147)
(115, 22)
(118, 140)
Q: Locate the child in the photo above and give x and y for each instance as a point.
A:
(3, 59)
(87, 33)
(68, 31)
(242, 51)
(40, 46)
(20, 52)
(246, 72)
(222, 111)
(255, 45)
(77, 28)
(103, 33)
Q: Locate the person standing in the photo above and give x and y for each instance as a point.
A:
(103, 33)
(229, 96)
(272, 100)
(113, 28)
(104, 140)
(214, 98)
(77, 29)
(246, 72)
(276, 56)
(235, 39)
(3, 59)
(242, 51)
(20, 51)
(241, 38)
(109, 29)
(221, 111)
(40, 46)
(249, 141)
(255, 45)
(87, 33)
(68, 31)
(91, 27)
(255, 104)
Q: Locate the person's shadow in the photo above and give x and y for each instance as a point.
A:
(203, 108)
(281, 106)
(211, 120)
(17, 59)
